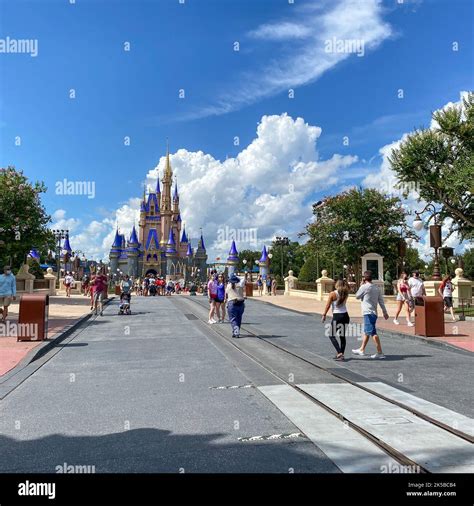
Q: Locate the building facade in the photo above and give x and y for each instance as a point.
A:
(161, 246)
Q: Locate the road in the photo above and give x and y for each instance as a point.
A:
(162, 391)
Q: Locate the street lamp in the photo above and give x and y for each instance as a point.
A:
(282, 241)
(59, 235)
(435, 235)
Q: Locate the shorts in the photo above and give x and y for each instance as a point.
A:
(448, 301)
(400, 297)
(98, 296)
(369, 324)
(5, 301)
(219, 301)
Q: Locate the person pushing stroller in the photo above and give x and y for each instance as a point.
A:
(126, 286)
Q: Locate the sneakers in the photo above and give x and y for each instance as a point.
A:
(358, 352)
(396, 321)
(410, 324)
(101, 313)
(380, 356)
(211, 322)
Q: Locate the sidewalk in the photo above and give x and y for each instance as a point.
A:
(63, 313)
(459, 334)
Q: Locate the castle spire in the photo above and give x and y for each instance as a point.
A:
(168, 172)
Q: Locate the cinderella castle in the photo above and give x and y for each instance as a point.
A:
(161, 246)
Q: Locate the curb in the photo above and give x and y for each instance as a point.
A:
(389, 333)
(40, 351)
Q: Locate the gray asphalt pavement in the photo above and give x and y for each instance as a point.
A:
(436, 374)
(138, 394)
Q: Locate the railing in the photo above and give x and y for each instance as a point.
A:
(306, 285)
(41, 284)
(465, 308)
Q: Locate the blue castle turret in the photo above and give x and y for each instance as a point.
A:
(232, 259)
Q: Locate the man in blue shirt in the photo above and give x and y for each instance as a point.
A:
(7, 291)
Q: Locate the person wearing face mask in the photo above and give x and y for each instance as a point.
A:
(7, 291)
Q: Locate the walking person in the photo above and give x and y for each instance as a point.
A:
(68, 283)
(417, 287)
(212, 293)
(269, 285)
(370, 297)
(99, 284)
(260, 285)
(7, 291)
(340, 317)
(446, 291)
(404, 298)
(235, 302)
(220, 299)
(274, 286)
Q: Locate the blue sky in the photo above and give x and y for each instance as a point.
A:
(173, 46)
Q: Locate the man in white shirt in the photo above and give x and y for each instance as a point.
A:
(417, 287)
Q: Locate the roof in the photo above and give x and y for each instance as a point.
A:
(264, 257)
(133, 236)
(233, 253)
(152, 236)
(184, 237)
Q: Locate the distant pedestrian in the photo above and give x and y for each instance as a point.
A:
(7, 291)
(404, 298)
(417, 287)
(370, 297)
(340, 317)
(99, 284)
(68, 283)
(235, 303)
(269, 285)
(446, 291)
(212, 293)
(274, 286)
(260, 285)
(220, 299)
(85, 285)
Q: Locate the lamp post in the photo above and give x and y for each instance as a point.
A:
(282, 241)
(270, 256)
(435, 235)
(59, 235)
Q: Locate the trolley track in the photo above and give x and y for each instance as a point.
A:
(392, 452)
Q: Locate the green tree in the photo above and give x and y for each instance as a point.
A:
(293, 259)
(250, 256)
(439, 164)
(309, 272)
(23, 219)
(468, 261)
(35, 269)
(356, 222)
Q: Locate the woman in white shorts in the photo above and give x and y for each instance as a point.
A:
(404, 298)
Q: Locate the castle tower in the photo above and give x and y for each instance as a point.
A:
(165, 207)
(232, 260)
(132, 254)
(200, 259)
(263, 263)
(171, 255)
(115, 252)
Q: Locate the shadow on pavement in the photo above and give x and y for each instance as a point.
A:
(159, 451)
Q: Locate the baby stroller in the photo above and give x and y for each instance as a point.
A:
(124, 307)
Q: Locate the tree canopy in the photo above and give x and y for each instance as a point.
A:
(23, 219)
(439, 163)
(356, 222)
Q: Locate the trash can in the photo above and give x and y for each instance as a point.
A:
(429, 316)
(249, 289)
(33, 318)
